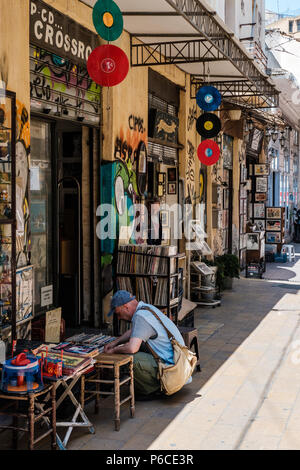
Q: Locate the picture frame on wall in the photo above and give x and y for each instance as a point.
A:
(259, 211)
(172, 175)
(260, 224)
(273, 225)
(165, 236)
(252, 241)
(171, 188)
(261, 185)
(261, 170)
(273, 212)
(273, 237)
(260, 197)
(164, 217)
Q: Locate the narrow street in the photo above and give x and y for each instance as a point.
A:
(248, 393)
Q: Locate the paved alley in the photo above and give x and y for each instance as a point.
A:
(248, 393)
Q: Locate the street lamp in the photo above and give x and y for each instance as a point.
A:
(275, 134)
(282, 140)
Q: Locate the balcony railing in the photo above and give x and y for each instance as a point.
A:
(255, 49)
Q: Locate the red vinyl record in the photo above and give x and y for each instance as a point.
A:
(208, 152)
(108, 65)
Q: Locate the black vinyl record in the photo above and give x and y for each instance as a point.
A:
(208, 125)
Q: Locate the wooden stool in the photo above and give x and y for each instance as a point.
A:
(190, 336)
(35, 404)
(114, 362)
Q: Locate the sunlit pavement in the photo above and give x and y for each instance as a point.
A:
(247, 395)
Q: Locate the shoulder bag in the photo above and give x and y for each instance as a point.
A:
(173, 377)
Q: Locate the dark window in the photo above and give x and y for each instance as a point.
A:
(291, 26)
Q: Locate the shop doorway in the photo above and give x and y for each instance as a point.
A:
(69, 183)
(65, 189)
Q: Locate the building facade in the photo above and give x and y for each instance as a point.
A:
(86, 147)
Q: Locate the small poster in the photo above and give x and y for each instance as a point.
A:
(260, 224)
(52, 329)
(273, 212)
(273, 225)
(261, 170)
(46, 296)
(261, 185)
(253, 241)
(273, 237)
(260, 197)
(259, 211)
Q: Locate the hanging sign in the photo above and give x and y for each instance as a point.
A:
(208, 152)
(108, 20)
(108, 65)
(208, 125)
(208, 98)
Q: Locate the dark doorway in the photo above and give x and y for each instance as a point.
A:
(69, 222)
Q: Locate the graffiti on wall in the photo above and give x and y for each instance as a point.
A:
(22, 182)
(58, 85)
(130, 149)
(191, 117)
(190, 173)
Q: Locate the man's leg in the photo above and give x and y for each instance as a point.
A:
(145, 374)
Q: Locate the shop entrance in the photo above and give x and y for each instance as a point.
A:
(65, 194)
(69, 195)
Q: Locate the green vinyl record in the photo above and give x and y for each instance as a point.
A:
(108, 19)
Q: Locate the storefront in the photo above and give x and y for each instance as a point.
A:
(64, 166)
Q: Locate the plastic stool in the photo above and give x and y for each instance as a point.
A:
(290, 251)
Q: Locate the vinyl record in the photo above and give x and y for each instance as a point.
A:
(208, 98)
(208, 125)
(208, 152)
(108, 19)
(108, 65)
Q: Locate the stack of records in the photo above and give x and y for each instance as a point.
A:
(131, 259)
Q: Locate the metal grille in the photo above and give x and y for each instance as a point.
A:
(162, 105)
(162, 153)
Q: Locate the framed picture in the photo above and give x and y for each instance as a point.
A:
(165, 236)
(273, 237)
(260, 224)
(252, 241)
(273, 212)
(262, 185)
(260, 197)
(164, 217)
(161, 178)
(171, 188)
(259, 211)
(273, 225)
(261, 170)
(172, 175)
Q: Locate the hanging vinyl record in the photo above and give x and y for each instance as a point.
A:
(108, 19)
(208, 152)
(208, 125)
(108, 65)
(208, 98)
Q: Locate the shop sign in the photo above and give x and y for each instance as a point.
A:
(46, 296)
(165, 126)
(59, 34)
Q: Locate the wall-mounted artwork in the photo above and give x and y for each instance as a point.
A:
(273, 225)
(273, 237)
(259, 211)
(273, 212)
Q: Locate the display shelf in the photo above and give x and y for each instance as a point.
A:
(161, 288)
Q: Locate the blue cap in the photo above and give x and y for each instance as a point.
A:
(121, 297)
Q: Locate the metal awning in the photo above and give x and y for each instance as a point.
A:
(190, 34)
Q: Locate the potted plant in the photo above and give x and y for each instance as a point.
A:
(231, 269)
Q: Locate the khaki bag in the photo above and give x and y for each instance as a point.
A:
(173, 377)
